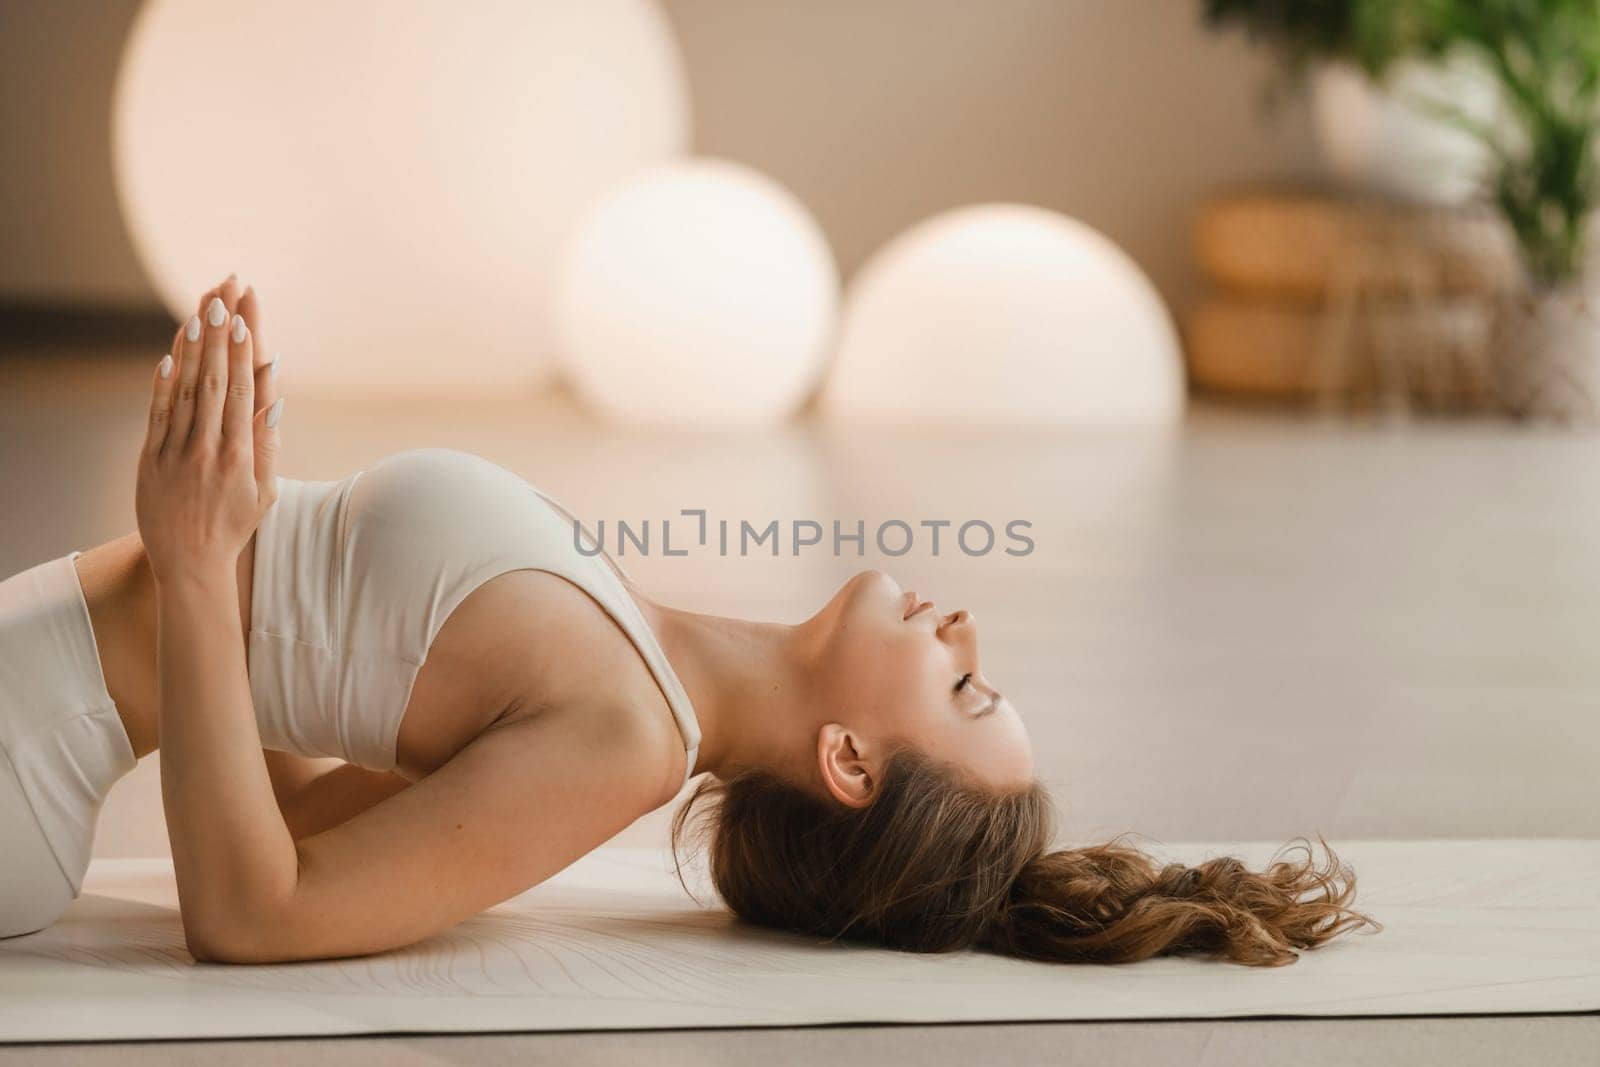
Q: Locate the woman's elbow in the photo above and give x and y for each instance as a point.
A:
(217, 946)
(268, 940)
(258, 939)
(241, 927)
(207, 949)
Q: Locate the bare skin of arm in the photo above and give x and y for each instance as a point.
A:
(354, 862)
(205, 477)
(313, 794)
(319, 794)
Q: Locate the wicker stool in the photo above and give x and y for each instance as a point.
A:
(1344, 301)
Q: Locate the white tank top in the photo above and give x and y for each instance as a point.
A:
(354, 578)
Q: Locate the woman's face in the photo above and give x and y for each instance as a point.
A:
(893, 670)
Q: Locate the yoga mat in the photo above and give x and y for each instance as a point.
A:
(1471, 926)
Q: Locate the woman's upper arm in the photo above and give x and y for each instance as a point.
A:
(316, 794)
(512, 808)
(291, 773)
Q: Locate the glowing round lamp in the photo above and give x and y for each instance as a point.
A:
(397, 180)
(1004, 314)
(697, 293)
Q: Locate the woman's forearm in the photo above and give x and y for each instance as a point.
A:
(235, 860)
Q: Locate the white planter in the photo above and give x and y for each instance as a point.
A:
(1389, 139)
(1547, 355)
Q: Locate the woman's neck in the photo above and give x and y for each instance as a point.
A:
(745, 681)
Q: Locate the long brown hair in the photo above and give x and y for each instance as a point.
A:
(935, 863)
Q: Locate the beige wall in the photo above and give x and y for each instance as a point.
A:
(61, 235)
(876, 113)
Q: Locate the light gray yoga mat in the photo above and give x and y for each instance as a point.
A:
(1471, 926)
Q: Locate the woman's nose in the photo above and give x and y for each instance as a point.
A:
(958, 626)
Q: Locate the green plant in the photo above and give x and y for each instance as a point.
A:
(1544, 55)
(1306, 30)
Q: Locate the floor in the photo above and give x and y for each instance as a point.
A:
(1256, 626)
(1553, 1041)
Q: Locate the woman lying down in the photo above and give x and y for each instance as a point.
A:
(506, 702)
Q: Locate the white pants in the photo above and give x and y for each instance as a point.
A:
(62, 744)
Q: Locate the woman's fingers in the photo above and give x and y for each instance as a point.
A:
(206, 298)
(161, 396)
(229, 292)
(160, 407)
(213, 384)
(266, 376)
(220, 292)
(191, 341)
(250, 308)
(239, 405)
(268, 403)
(265, 428)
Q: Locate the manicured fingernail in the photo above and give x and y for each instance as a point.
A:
(192, 331)
(238, 329)
(272, 372)
(165, 367)
(274, 413)
(217, 312)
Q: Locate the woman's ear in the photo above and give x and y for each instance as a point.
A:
(847, 772)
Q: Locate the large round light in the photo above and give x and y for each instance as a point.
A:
(1005, 313)
(397, 180)
(697, 293)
